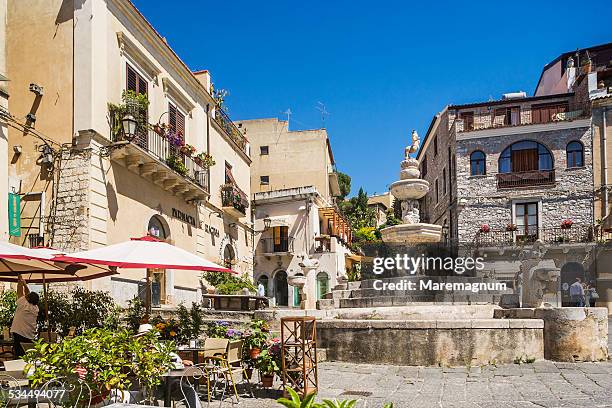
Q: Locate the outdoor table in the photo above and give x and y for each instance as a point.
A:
(208, 352)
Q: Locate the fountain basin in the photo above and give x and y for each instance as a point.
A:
(410, 189)
(412, 233)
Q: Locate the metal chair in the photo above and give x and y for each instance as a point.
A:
(64, 392)
(10, 391)
(231, 365)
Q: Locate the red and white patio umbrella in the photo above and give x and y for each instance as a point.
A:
(146, 252)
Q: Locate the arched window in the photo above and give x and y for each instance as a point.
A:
(575, 154)
(263, 279)
(322, 284)
(156, 228)
(526, 155)
(478, 163)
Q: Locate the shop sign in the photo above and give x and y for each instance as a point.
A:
(186, 218)
(14, 213)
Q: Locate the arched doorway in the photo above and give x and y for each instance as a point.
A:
(229, 256)
(281, 289)
(322, 284)
(157, 228)
(264, 280)
(569, 272)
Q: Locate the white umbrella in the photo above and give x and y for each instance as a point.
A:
(146, 252)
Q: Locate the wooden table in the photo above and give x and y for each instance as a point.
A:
(208, 352)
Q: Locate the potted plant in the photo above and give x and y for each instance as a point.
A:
(205, 160)
(511, 227)
(268, 367)
(255, 338)
(567, 224)
(176, 164)
(188, 150)
(484, 228)
(586, 65)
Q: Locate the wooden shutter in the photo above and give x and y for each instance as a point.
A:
(176, 119)
(135, 82)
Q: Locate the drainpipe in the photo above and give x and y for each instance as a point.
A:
(605, 163)
(208, 141)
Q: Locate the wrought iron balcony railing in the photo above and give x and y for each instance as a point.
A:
(525, 178)
(276, 245)
(162, 147)
(573, 235)
(233, 197)
(230, 128)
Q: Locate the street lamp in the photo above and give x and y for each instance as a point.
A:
(129, 126)
(267, 222)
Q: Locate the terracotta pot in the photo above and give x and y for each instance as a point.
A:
(255, 351)
(267, 380)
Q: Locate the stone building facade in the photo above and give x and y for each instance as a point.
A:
(99, 185)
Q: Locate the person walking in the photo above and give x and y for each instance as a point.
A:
(23, 328)
(577, 293)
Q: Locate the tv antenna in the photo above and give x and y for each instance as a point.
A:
(321, 108)
(288, 113)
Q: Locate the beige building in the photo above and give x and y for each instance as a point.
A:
(381, 203)
(294, 185)
(4, 119)
(87, 182)
(285, 159)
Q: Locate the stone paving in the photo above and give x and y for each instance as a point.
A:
(541, 384)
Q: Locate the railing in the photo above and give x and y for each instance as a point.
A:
(525, 178)
(488, 120)
(574, 234)
(232, 196)
(35, 240)
(160, 148)
(275, 245)
(230, 128)
(323, 244)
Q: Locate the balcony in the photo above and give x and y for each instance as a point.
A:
(276, 246)
(234, 201)
(323, 243)
(236, 136)
(499, 238)
(152, 155)
(525, 179)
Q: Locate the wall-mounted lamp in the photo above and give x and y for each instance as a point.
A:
(267, 222)
(17, 149)
(129, 124)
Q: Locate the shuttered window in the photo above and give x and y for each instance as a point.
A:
(135, 82)
(545, 113)
(176, 119)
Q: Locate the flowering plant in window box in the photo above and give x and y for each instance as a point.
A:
(188, 150)
(176, 164)
(511, 227)
(175, 138)
(204, 159)
(567, 224)
(484, 228)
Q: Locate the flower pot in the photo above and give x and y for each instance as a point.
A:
(267, 380)
(255, 351)
(248, 373)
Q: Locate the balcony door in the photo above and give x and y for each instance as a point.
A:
(526, 220)
(280, 235)
(138, 84)
(524, 160)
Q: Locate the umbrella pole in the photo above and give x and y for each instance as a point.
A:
(46, 307)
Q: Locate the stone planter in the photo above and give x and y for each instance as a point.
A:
(297, 281)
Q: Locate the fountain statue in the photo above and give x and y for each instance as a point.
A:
(409, 189)
(539, 277)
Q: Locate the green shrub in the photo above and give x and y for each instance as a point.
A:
(8, 304)
(228, 284)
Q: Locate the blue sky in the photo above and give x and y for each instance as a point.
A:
(381, 68)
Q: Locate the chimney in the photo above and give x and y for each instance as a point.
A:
(204, 77)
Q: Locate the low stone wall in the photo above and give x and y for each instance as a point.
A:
(570, 333)
(432, 342)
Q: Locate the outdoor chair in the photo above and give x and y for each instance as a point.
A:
(231, 366)
(191, 385)
(214, 347)
(48, 337)
(77, 394)
(9, 384)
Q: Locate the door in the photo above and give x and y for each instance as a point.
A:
(322, 284)
(281, 238)
(281, 289)
(526, 217)
(525, 160)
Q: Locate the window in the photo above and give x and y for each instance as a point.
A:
(264, 180)
(437, 191)
(526, 220)
(436, 146)
(135, 82)
(156, 228)
(280, 238)
(450, 172)
(508, 116)
(525, 156)
(229, 256)
(545, 113)
(424, 166)
(575, 155)
(322, 284)
(176, 119)
(444, 181)
(468, 120)
(478, 163)
(229, 179)
(264, 150)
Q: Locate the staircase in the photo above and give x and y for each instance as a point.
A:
(366, 293)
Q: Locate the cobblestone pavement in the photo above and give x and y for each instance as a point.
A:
(541, 384)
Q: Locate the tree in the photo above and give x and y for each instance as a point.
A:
(344, 180)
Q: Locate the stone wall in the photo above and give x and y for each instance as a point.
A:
(69, 219)
(482, 202)
(432, 342)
